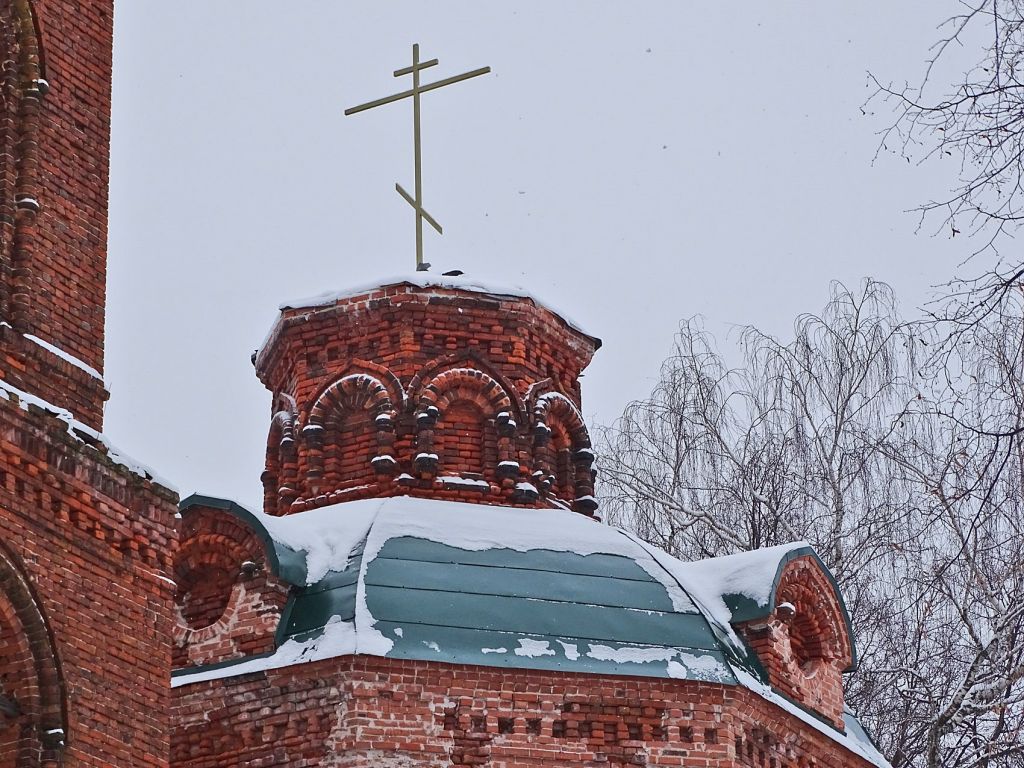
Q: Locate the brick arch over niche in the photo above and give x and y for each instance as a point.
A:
(229, 600)
(562, 450)
(805, 643)
(349, 433)
(465, 425)
(280, 469)
(33, 713)
(22, 88)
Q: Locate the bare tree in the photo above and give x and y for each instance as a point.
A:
(962, 704)
(784, 447)
(905, 474)
(977, 120)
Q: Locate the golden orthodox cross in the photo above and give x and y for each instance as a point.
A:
(416, 201)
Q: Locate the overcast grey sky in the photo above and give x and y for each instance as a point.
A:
(631, 163)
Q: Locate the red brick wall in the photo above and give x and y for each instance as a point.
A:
(365, 711)
(56, 153)
(396, 390)
(95, 542)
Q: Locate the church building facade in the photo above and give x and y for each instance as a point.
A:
(428, 582)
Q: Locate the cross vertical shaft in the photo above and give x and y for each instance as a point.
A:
(418, 180)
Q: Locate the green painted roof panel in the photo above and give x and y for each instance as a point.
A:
(545, 560)
(517, 582)
(529, 616)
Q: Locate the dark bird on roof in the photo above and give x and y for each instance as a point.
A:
(452, 273)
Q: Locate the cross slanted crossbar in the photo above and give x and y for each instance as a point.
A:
(416, 200)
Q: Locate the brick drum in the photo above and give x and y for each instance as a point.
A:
(413, 390)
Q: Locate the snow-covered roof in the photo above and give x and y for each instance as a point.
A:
(741, 587)
(432, 280)
(435, 580)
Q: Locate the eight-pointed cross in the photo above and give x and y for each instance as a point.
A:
(416, 201)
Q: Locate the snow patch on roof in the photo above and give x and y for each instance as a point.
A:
(679, 663)
(750, 574)
(326, 535)
(532, 648)
(337, 639)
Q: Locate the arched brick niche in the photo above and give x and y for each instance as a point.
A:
(33, 721)
(804, 643)
(229, 599)
(281, 470)
(426, 389)
(463, 417)
(562, 449)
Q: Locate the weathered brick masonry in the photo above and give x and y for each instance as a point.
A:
(54, 166)
(94, 541)
(86, 544)
(364, 711)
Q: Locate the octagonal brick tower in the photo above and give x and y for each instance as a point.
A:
(426, 385)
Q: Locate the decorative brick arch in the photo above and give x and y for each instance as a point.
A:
(804, 641)
(209, 562)
(34, 731)
(364, 388)
(229, 599)
(469, 360)
(805, 600)
(462, 387)
(22, 87)
(561, 446)
(280, 470)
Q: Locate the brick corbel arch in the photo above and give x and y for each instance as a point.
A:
(465, 359)
(230, 592)
(462, 384)
(23, 85)
(364, 386)
(202, 551)
(804, 641)
(550, 407)
(40, 697)
(280, 470)
(805, 601)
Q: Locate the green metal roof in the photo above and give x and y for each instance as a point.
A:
(605, 608)
(538, 609)
(511, 588)
(532, 606)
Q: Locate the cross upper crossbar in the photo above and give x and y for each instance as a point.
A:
(416, 200)
(413, 91)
